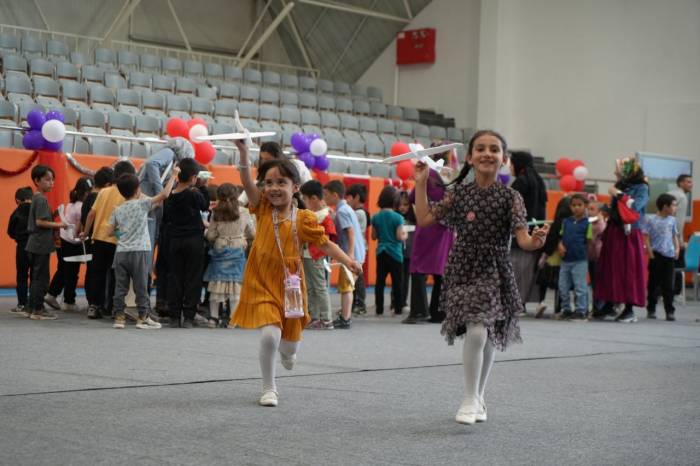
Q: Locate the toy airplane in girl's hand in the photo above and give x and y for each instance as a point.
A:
(242, 133)
(423, 155)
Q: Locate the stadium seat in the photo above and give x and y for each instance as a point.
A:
(410, 114)
(310, 117)
(115, 81)
(386, 126)
(394, 112)
(290, 81)
(92, 121)
(325, 86)
(421, 131)
(74, 94)
(78, 59)
(368, 124)
(377, 109)
(206, 92)
(25, 107)
(229, 91)
(342, 88)
(32, 47)
(41, 67)
(251, 76)
(94, 74)
(213, 71)
(358, 91)
(47, 92)
(233, 73)
(374, 145)
(269, 112)
(163, 83)
(171, 66)
(289, 99)
(337, 166)
(101, 98)
(105, 58)
(57, 50)
(226, 108)
(120, 123)
(128, 60)
(455, 134)
(438, 132)
(66, 70)
(129, 101)
(374, 94)
(326, 102)
(271, 79)
(308, 100)
(101, 146)
(290, 115)
(9, 43)
(153, 104)
(149, 63)
(193, 69)
(18, 88)
(307, 84)
(404, 129)
(8, 113)
(201, 106)
(249, 93)
(185, 85)
(269, 96)
(349, 122)
(330, 120)
(177, 106)
(360, 107)
(140, 80)
(14, 63)
(147, 126)
(343, 105)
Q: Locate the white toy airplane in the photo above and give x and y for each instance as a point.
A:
(423, 155)
(242, 133)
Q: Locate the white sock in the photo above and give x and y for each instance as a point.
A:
(234, 298)
(473, 358)
(214, 309)
(269, 343)
(487, 364)
(289, 348)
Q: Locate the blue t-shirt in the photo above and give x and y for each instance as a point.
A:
(130, 221)
(574, 235)
(661, 231)
(345, 217)
(385, 223)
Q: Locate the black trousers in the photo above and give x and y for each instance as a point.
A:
(23, 269)
(360, 293)
(101, 292)
(679, 277)
(185, 259)
(162, 273)
(387, 265)
(419, 297)
(661, 270)
(65, 279)
(39, 264)
(405, 280)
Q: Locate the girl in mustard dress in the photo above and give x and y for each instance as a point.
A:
(282, 229)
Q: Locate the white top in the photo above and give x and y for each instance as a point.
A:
(71, 215)
(682, 199)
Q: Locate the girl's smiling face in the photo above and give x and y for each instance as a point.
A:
(487, 155)
(278, 189)
(404, 205)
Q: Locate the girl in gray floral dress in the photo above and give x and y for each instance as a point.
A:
(479, 296)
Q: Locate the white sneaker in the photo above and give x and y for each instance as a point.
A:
(481, 415)
(288, 362)
(147, 324)
(268, 398)
(119, 323)
(467, 412)
(52, 301)
(66, 307)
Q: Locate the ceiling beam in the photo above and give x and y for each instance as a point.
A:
(255, 27)
(353, 9)
(126, 11)
(265, 35)
(179, 26)
(351, 41)
(409, 13)
(300, 42)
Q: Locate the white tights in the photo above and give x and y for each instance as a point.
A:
(478, 355)
(270, 342)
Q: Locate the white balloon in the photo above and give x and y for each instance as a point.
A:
(580, 173)
(53, 131)
(198, 130)
(318, 147)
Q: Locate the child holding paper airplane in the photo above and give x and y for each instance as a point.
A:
(479, 296)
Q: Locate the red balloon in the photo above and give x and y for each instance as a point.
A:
(399, 148)
(204, 152)
(567, 183)
(195, 121)
(580, 184)
(564, 166)
(177, 127)
(404, 170)
(576, 163)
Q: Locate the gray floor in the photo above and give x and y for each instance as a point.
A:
(75, 391)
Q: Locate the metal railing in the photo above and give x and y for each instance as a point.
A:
(86, 45)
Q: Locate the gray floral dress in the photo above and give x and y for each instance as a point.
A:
(479, 285)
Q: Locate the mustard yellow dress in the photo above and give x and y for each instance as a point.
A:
(262, 294)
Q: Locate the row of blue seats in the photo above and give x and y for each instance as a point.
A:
(114, 87)
(173, 67)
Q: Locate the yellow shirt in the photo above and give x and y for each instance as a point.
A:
(107, 200)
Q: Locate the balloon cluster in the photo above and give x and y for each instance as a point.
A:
(46, 130)
(405, 168)
(311, 149)
(204, 152)
(573, 174)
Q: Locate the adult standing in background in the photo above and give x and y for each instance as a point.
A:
(531, 187)
(684, 186)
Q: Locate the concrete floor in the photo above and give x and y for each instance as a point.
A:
(75, 391)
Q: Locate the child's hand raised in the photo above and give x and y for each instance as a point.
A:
(176, 171)
(421, 172)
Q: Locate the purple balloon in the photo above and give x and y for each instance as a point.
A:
(36, 119)
(322, 163)
(300, 143)
(55, 115)
(308, 159)
(33, 140)
(53, 146)
(311, 137)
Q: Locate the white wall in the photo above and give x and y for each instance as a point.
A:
(592, 80)
(450, 85)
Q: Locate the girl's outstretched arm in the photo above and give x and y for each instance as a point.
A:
(332, 250)
(531, 242)
(423, 216)
(251, 189)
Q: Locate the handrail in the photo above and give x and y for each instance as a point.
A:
(89, 43)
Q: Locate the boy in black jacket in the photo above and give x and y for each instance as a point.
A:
(17, 230)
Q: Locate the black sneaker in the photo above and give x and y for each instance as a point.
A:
(93, 312)
(188, 323)
(579, 317)
(342, 323)
(651, 315)
(627, 317)
(606, 311)
(670, 317)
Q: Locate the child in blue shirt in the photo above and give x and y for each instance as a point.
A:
(661, 239)
(387, 228)
(576, 232)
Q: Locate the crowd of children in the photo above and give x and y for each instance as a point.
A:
(262, 253)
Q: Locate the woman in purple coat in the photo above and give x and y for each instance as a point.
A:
(431, 246)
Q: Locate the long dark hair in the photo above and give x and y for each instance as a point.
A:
(529, 183)
(81, 189)
(466, 167)
(288, 170)
(226, 209)
(410, 215)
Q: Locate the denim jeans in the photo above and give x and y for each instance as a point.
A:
(574, 273)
